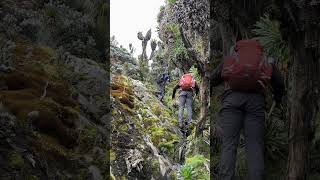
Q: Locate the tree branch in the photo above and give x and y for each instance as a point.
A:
(190, 51)
(45, 90)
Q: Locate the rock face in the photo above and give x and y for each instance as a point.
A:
(90, 81)
(122, 62)
(144, 134)
(53, 93)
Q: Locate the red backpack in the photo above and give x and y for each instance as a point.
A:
(186, 82)
(245, 69)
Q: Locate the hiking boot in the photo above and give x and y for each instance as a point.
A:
(187, 129)
(180, 126)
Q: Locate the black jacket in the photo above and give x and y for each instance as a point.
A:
(277, 83)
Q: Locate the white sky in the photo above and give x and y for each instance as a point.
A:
(128, 17)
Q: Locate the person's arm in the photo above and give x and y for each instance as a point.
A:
(216, 78)
(277, 85)
(158, 80)
(174, 90)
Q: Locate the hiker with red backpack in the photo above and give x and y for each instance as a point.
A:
(246, 76)
(187, 87)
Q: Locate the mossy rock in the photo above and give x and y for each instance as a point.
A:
(155, 167)
(121, 83)
(87, 138)
(155, 108)
(33, 78)
(16, 160)
(173, 175)
(161, 135)
(157, 134)
(53, 119)
(26, 51)
(31, 177)
(114, 112)
(168, 146)
(123, 97)
(58, 115)
(127, 109)
(144, 112)
(82, 174)
(122, 91)
(150, 122)
(50, 146)
(112, 155)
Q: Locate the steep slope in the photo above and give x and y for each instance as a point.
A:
(53, 93)
(144, 133)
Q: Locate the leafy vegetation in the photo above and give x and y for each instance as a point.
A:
(267, 31)
(178, 50)
(171, 2)
(195, 168)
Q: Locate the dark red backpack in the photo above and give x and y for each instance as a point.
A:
(245, 68)
(186, 82)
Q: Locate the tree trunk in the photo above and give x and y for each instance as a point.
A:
(204, 102)
(302, 107)
(228, 38)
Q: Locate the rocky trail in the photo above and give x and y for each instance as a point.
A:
(149, 130)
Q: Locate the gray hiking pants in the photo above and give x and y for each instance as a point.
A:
(185, 101)
(242, 110)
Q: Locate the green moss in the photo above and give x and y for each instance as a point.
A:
(173, 28)
(144, 112)
(82, 78)
(162, 8)
(50, 146)
(155, 166)
(168, 146)
(157, 134)
(196, 160)
(171, 2)
(101, 161)
(87, 138)
(81, 174)
(112, 156)
(31, 177)
(122, 91)
(163, 136)
(173, 175)
(15, 160)
(114, 112)
(127, 109)
(47, 50)
(179, 49)
(121, 178)
(166, 113)
(150, 122)
(156, 109)
(112, 177)
(314, 176)
(51, 12)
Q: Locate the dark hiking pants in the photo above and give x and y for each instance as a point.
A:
(161, 88)
(185, 101)
(242, 110)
